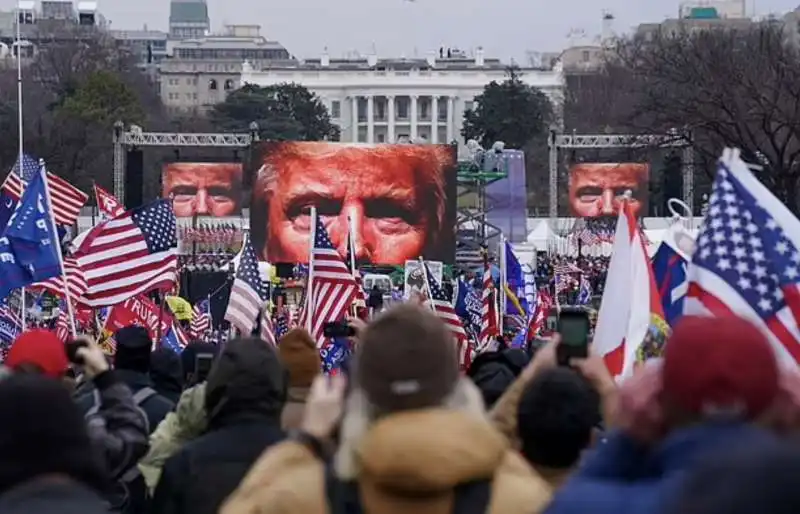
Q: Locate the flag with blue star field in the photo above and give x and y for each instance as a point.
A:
(248, 295)
(333, 287)
(24, 170)
(746, 261)
(129, 255)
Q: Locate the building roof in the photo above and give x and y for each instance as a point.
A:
(193, 11)
(396, 64)
(136, 35)
(228, 43)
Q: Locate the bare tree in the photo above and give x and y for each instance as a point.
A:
(724, 87)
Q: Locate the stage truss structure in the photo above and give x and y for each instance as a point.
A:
(135, 137)
(574, 141)
(473, 231)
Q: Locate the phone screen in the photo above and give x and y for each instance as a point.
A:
(203, 363)
(574, 330)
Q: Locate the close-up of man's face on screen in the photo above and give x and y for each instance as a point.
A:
(596, 189)
(203, 188)
(399, 198)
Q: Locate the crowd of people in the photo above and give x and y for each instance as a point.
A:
(248, 427)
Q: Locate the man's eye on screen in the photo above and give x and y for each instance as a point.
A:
(222, 199)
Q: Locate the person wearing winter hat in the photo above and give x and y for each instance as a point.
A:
(300, 356)
(719, 380)
(414, 436)
(47, 462)
(132, 366)
(40, 351)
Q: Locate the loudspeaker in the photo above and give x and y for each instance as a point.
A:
(134, 179)
(284, 270)
(672, 180)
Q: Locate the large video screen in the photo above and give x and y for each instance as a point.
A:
(401, 200)
(203, 188)
(596, 189)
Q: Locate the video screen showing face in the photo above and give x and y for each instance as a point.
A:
(203, 188)
(597, 189)
(401, 199)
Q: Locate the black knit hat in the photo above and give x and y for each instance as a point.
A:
(133, 349)
(407, 359)
(43, 432)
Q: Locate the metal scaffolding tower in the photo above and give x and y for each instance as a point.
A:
(593, 141)
(136, 138)
(474, 231)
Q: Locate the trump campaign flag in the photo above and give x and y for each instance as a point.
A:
(670, 264)
(631, 318)
(747, 259)
(29, 249)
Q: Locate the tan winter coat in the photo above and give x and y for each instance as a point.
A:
(393, 460)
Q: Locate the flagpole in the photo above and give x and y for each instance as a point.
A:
(310, 282)
(20, 133)
(67, 294)
(427, 283)
(351, 249)
(503, 283)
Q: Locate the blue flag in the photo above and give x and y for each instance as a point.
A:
(669, 269)
(29, 249)
(334, 355)
(23, 172)
(515, 278)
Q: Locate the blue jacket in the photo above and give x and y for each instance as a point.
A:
(620, 476)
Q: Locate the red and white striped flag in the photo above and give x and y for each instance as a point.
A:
(333, 288)
(247, 298)
(66, 199)
(489, 329)
(447, 313)
(201, 319)
(76, 281)
(129, 255)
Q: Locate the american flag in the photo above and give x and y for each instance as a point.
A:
(281, 325)
(201, 319)
(747, 261)
(129, 255)
(9, 314)
(447, 313)
(67, 200)
(588, 237)
(63, 329)
(489, 329)
(333, 287)
(248, 295)
(361, 295)
(76, 281)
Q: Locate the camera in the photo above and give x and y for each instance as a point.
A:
(338, 329)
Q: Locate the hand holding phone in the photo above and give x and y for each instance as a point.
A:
(574, 327)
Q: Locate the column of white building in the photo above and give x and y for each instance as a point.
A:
(413, 121)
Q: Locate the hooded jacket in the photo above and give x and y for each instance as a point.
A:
(186, 423)
(244, 397)
(166, 372)
(405, 462)
(623, 477)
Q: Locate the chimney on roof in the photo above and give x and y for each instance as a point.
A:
(326, 58)
(431, 59)
(479, 56)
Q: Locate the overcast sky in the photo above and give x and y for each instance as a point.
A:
(505, 28)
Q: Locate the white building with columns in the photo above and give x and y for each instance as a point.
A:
(377, 100)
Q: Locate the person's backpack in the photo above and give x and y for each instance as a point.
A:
(129, 494)
(343, 497)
